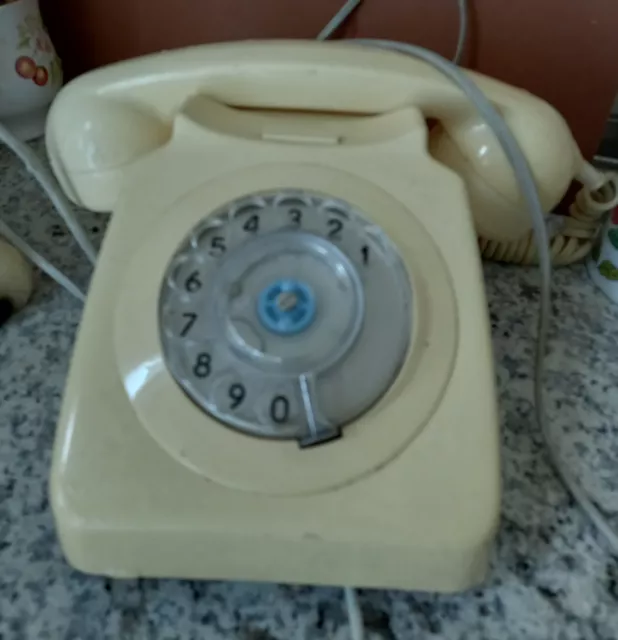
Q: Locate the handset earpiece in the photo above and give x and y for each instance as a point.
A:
(91, 141)
(468, 147)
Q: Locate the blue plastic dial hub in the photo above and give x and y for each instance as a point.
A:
(287, 307)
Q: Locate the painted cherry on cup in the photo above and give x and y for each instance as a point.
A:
(25, 67)
(41, 76)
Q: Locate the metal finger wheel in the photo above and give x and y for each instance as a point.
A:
(285, 314)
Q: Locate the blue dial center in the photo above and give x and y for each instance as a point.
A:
(286, 306)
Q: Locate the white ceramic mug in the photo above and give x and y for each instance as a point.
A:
(30, 70)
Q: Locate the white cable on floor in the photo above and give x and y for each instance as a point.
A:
(357, 629)
(62, 206)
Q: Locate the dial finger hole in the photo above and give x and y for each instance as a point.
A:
(248, 206)
(281, 408)
(177, 272)
(184, 321)
(336, 208)
(250, 220)
(295, 209)
(200, 365)
(211, 240)
(365, 251)
(247, 214)
(336, 220)
(378, 245)
(232, 394)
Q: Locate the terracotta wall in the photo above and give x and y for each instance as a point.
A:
(563, 50)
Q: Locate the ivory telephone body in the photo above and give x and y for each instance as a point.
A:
(284, 368)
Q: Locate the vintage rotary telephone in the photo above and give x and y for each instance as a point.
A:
(284, 369)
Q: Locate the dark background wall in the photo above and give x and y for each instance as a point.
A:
(566, 51)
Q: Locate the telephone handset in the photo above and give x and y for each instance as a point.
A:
(291, 262)
(139, 100)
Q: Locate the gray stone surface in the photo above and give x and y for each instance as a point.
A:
(551, 577)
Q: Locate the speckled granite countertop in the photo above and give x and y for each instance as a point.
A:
(550, 579)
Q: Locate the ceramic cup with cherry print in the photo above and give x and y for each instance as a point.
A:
(30, 71)
(603, 260)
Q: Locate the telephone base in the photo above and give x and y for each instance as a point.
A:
(199, 555)
(147, 482)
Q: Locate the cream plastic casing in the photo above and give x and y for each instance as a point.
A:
(145, 484)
